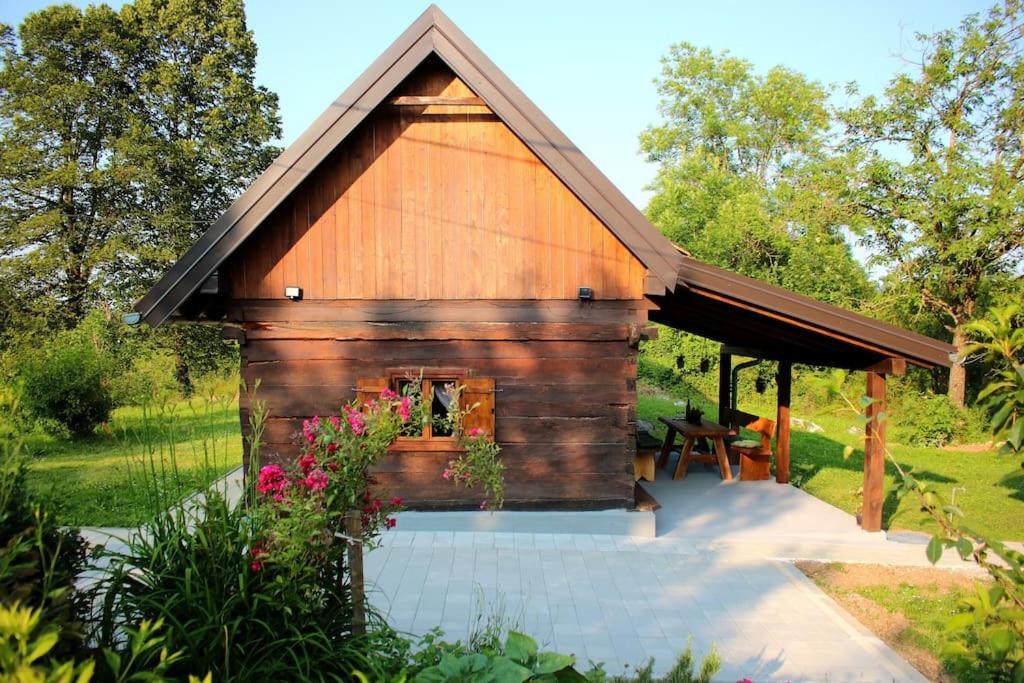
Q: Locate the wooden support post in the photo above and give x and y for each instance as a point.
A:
(785, 382)
(874, 455)
(724, 389)
(354, 529)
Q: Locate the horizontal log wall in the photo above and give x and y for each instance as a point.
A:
(436, 202)
(564, 407)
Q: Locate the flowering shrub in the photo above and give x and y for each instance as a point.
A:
(478, 465)
(304, 505)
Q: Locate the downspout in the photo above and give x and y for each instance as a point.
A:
(736, 380)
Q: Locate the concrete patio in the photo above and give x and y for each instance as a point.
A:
(719, 570)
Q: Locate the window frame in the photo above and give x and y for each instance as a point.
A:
(426, 441)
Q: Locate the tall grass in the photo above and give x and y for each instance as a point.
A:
(190, 566)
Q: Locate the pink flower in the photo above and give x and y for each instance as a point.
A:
(447, 474)
(332, 447)
(356, 422)
(336, 421)
(315, 480)
(272, 480)
(307, 462)
(476, 431)
(404, 408)
(388, 395)
(309, 428)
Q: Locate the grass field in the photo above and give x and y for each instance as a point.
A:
(145, 457)
(988, 487)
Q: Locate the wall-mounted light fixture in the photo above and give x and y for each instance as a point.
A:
(586, 294)
(293, 293)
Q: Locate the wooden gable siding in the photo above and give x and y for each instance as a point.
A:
(438, 202)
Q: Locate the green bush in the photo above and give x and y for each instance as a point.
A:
(66, 381)
(39, 559)
(149, 379)
(518, 658)
(197, 571)
(926, 419)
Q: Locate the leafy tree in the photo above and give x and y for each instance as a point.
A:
(739, 183)
(202, 123)
(936, 171)
(123, 135)
(201, 139)
(999, 339)
(62, 177)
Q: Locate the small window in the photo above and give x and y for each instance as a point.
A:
(437, 393)
(436, 386)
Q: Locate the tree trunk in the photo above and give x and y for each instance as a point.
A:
(958, 373)
(183, 375)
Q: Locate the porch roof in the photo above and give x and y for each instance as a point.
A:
(757, 319)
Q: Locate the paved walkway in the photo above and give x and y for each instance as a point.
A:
(720, 571)
(622, 600)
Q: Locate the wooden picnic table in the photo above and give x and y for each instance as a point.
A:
(691, 432)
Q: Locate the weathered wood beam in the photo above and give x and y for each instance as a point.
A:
(889, 366)
(874, 454)
(724, 379)
(785, 383)
(429, 100)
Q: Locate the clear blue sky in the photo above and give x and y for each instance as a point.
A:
(588, 65)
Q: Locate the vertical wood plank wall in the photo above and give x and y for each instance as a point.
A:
(438, 202)
(433, 237)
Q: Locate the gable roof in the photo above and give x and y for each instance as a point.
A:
(432, 33)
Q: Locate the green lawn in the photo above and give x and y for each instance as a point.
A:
(143, 458)
(988, 487)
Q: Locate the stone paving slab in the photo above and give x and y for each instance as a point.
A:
(621, 600)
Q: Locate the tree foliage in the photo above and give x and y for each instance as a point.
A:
(739, 183)
(123, 135)
(999, 339)
(936, 166)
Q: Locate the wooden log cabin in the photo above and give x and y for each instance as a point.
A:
(433, 218)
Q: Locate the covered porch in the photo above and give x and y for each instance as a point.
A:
(757, 320)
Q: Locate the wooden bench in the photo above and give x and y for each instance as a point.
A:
(754, 455)
(646, 446)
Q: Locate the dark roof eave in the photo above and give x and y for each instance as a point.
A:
(805, 311)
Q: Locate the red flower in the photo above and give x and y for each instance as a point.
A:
(257, 552)
(309, 428)
(404, 408)
(388, 395)
(332, 466)
(391, 522)
(273, 481)
(396, 501)
(307, 462)
(315, 480)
